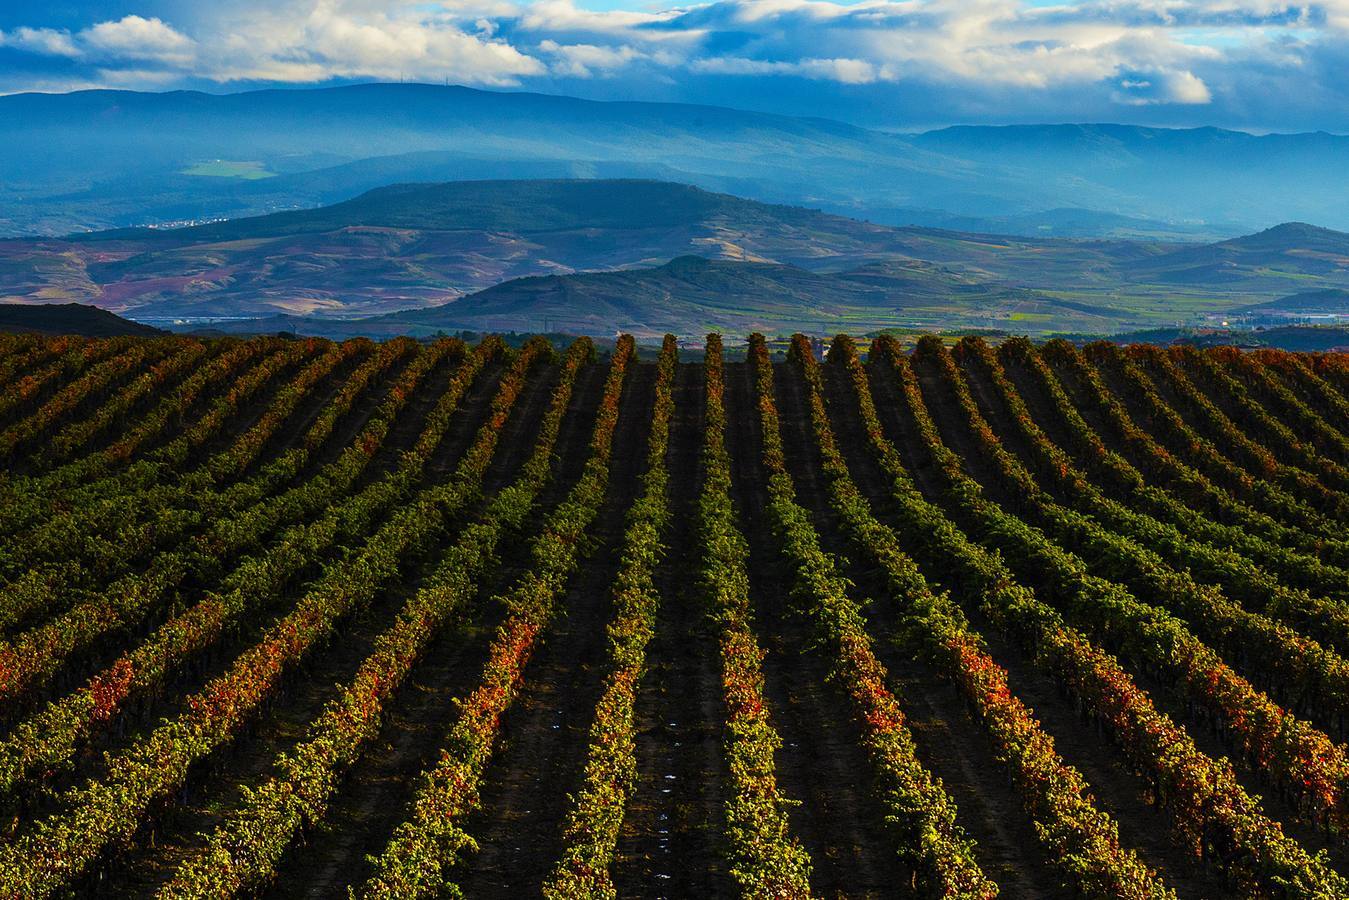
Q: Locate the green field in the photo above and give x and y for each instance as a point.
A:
(248, 170)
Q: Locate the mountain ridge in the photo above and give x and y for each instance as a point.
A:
(258, 151)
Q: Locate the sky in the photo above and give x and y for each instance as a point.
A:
(1260, 65)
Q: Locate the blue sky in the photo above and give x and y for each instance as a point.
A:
(904, 64)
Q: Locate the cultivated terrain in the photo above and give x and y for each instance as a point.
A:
(283, 617)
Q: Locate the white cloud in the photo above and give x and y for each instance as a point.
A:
(984, 54)
(844, 71)
(137, 38)
(585, 60)
(43, 41)
(325, 39)
(563, 17)
(1163, 87)
(1185, 87)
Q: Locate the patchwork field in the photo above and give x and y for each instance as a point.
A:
(248, 170)
(292, 617)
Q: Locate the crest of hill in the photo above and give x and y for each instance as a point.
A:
(521, 207)
(417, 246)
(1290, 235)
(69, 318)
(692, 293)
(1293, 248)
(1330, 300)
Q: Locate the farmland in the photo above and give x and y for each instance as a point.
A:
(411, 619)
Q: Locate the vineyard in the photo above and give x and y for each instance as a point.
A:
(301, 618)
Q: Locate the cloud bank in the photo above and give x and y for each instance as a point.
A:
(897, 63)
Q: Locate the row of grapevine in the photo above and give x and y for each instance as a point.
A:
(1212, 815)
(244, 450)
(1296, 755)
(43, 502)
(1309, 494)
(931, 843)
(1313, 390)
(427, 843)
(170, 412)
(74, 357)
(1291, 565)
(33, 656)
(1149, 541)
(225, 407)
(33, 495)
(24, 352)
(89, 531)
(1203, 470)
(109, 810)
(767, 861)
(1243, 383)
(92, 385)
(1313, 676)
(157, 379)
(1324, 618)
(591, 832)
(1254, 457)
(292, 463)
(1078, 838)
(150, 522)
(47, 738)
(244, 851)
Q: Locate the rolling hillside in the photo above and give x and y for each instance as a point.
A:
(422, 246)
(1330, 300)
(691, 295)
(411, 246)
(1292, 248)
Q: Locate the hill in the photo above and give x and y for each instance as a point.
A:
(421, 246)
(691, 295)
(1257, 262)
(412, 246)
(68, 318)
(1330, 300)
(1176, 174)
(519, 206)
(185, 156)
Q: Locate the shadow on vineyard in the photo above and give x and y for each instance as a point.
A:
(409, 618)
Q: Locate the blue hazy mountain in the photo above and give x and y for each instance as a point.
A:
(101, 159)
(1178, 174)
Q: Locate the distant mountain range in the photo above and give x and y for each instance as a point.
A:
(101, 159)
(645, 256)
